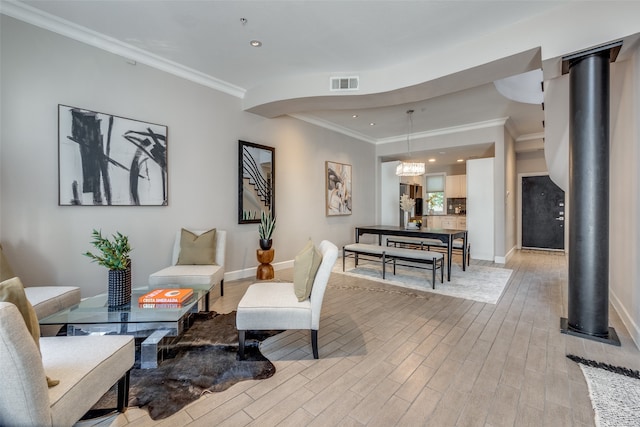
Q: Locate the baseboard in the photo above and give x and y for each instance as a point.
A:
(251, 272)
(504, 259)
(631, 325)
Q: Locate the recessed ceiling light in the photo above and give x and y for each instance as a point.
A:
(255, 43)
(432, 160)
(372, 124)
(355, 116)
(460, 160)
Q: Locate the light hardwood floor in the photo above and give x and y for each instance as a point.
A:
(390, 356)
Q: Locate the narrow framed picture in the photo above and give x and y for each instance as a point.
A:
(338, 188)
(107, 160)
(256, 181)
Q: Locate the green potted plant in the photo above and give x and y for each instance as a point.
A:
(114, 255)
(265, 230)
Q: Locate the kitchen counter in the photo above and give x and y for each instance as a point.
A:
(457, 222)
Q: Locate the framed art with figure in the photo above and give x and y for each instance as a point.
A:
(107, 160)
(338, 188)
(256, 181)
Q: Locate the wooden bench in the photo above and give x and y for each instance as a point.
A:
(428, 244)
(392, 254)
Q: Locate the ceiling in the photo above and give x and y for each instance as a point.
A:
(211, 40)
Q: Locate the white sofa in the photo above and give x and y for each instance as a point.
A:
(87, 367)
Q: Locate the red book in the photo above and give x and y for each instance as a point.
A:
(175, 296)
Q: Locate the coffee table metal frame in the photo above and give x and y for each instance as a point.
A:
(92, 316)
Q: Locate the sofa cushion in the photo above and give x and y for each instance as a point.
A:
(5, 269)
(24, 397)
(197, 249)
(47, 300)
(12, 291)
(191, 276)
(305, 267)
(273, 304)
(88, 366)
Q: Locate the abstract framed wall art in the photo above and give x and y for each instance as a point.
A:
(107, 160)
(338, 189)
(256, 181)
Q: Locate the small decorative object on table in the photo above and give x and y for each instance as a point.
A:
(115, 256)
(265, 254)
(265, 230)
(407, 204)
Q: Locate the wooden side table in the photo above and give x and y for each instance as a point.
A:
(265, 269)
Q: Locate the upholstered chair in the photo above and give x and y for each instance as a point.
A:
(201, 275)
(46, 300)
(275, 305)
(85, 366)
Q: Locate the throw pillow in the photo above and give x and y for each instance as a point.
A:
(197, 250)
(12, 291)
(5, 268)
(305, 267)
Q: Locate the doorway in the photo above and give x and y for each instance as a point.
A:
(543, 213)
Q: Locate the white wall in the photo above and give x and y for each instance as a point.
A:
(44, 241)
(510, 198)
(531, 162)
(624, 199)
(389, 194)
(480, 208)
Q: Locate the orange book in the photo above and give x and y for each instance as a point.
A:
(159, 305)
(175, 296)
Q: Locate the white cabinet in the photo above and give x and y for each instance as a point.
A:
(455, 186)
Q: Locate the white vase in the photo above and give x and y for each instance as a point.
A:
(406, 219)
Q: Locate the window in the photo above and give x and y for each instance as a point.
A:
(434, 190)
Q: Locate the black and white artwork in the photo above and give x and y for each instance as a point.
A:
(107, 160)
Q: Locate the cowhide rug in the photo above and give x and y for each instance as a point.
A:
(203, 360)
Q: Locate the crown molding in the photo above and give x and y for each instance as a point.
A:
(447, 131)
(66, 28)
(332, 126)
(401, 138)
(530, 137)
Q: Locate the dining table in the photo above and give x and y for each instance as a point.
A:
(445, 235)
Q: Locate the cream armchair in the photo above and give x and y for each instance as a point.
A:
(275, 306)
(86, 366)
(195, 276)
(46, 300)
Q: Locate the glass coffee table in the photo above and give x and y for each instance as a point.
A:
(92, 316)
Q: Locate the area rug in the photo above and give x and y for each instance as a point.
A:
(204, 360)
(477, 283)
(614, 393)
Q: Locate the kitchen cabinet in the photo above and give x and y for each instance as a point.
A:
(455, 222)
(455, 186)
(449, 222)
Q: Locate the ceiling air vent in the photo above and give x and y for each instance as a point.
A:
(344, 83)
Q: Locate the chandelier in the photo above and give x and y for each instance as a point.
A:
(410, 168)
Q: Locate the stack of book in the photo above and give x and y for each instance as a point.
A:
(165, 298)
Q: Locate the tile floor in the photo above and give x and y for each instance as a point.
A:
(390, 356)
